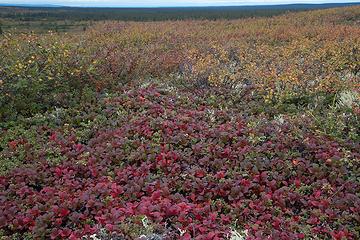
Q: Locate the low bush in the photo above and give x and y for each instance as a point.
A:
(191, 169)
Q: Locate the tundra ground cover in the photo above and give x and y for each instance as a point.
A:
(246, 125)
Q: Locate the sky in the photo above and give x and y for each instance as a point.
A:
(164, 3)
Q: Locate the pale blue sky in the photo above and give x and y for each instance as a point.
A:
(164, 3)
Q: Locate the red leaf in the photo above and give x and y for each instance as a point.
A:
(220, 174)
(200, 173)
(13, 144)
(64, 212)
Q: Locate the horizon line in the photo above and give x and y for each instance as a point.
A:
(172, 6)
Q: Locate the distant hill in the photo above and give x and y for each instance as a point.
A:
(47, 13)
(243, 7)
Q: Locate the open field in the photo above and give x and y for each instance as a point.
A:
(192, 129)
(23, 19)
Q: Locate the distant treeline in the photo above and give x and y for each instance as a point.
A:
(21, 13)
